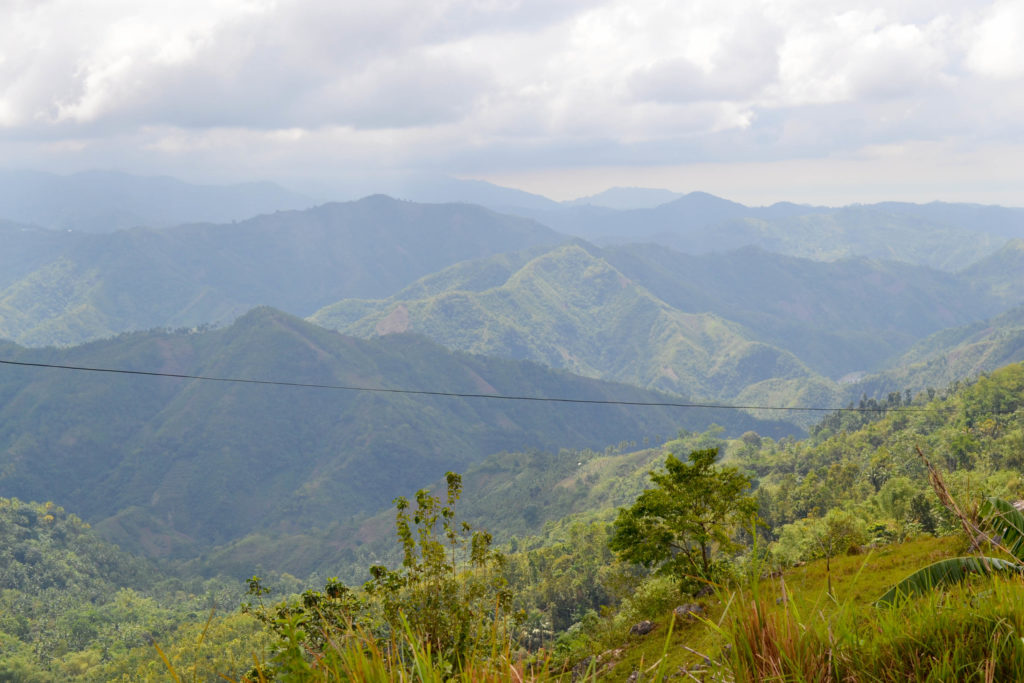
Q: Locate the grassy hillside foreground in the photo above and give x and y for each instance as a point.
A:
(561, 605)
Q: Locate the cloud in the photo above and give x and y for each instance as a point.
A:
(995, 49)
(493, 86)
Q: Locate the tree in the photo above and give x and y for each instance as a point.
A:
(690, 515)
(449, 596)
(451, 587)
(837, 532)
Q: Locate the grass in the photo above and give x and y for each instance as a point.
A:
(789, 618)
(785, 628)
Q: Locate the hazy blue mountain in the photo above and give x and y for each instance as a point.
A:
(570, 308)
(838, 317)
(105, 201)
(443, 189)
(1000, 275)
(169, 464)
(1002, 221)
(945, 236)
(627, 198)
(93, 286)
(603, 313)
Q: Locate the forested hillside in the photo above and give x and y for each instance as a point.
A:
(654, 317)
(939, 235)
(106, 201)
(570, 309)
(858, 469)
(94, 286)
(172, 466)
(74, 607)
(295, 472)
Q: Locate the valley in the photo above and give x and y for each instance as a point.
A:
(220, 400)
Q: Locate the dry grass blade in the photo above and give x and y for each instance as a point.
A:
(167, 663)
(969, 525)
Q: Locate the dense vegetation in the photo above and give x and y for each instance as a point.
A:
(176, 467)
(654, 317)
(73, 607)
(565, 601)
(570, 309)
(92, 286)
(555, 554)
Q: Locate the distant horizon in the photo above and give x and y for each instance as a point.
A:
(813, 103)
(752, 198)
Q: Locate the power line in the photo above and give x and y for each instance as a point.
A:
(454, 394)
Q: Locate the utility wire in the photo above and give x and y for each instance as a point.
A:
(454, 394)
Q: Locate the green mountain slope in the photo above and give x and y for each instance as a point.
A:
(945, 236)
(105, 201)
(169, 465)
(950, 355)
(1000, 275)
(640, 313)
(571, 309)
(837, 317)
(99, 285)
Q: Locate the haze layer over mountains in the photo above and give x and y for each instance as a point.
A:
(632, 295)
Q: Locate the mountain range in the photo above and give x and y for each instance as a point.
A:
(456, 299)
(106, 201)
(701, 326)
(175, 465)
(944, 236)
(86, 287)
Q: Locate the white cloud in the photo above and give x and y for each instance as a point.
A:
(997, 42)
(499, 86)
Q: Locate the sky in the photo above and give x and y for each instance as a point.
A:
(800, 100)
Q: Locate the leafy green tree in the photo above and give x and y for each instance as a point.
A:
(449, 594)
(450, 587)
(691, 514)
(838, 532)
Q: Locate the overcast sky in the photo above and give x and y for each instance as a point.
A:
(803, 100)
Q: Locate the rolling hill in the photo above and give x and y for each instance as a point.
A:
(709, 326)
(94, 286)
(944, 236)
(172, 466)
(569, 308)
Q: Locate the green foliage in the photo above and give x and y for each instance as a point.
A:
(691, 515)
(172, 468)
(451, 608)
(964, 635)
(94, 286)
(945, 573)
(73, 607)
(1006, 523)
(446, 602)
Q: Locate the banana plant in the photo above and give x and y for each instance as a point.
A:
(1005, 525)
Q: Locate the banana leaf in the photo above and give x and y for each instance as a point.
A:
(945, 573)
(1007, 522)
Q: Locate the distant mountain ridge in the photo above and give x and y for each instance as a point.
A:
(106, 201)
(655, 317)
(944, 236)
(626, 198)
(92, 286)
(571, 309)
(169, 465)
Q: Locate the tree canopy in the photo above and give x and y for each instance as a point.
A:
(690, 514)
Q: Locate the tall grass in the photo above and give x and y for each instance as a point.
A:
(968, 633)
